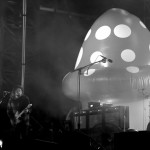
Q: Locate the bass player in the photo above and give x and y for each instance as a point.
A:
(18, 110)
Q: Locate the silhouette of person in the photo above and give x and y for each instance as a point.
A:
(18, 110)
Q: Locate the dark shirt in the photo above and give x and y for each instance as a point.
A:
(18, 105)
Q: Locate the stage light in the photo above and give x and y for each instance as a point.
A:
(1, 143)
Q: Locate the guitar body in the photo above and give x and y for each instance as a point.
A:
(19, 115)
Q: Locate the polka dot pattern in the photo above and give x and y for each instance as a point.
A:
(89, 72)
(132, 69)
(107, 43)
(128, 55)
(79, 57)
(123, 38)
(142, 24)
(103, 32)
(96, 56)
(87, 35)
(122, 31)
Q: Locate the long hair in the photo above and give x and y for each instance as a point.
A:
(14, 89)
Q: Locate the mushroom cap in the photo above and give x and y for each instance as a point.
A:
(114, 61)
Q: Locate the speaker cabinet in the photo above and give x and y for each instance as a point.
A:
(118, 116)
(102, 123)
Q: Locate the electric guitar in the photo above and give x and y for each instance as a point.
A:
(18, 115)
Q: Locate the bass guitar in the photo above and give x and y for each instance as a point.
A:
(18, 115)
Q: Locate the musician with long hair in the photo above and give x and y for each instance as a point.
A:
(18, 110)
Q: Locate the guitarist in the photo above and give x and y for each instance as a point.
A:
(18, 103)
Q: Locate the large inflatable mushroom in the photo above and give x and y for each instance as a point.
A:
(114, 60)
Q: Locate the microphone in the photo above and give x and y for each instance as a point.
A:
(110, 60)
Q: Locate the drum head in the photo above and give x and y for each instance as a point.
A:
(104, 134)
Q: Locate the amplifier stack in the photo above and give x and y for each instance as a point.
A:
(102, 122)
(116, 115)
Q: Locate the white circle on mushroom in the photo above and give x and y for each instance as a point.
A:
(122, 31)
(103, 32)
(128, 55)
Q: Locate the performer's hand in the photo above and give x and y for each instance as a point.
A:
(27, 111)
(16, 114)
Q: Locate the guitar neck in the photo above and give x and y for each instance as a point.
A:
(24, 110)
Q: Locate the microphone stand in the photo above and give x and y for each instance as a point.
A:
(79, 80)
(4, 95)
